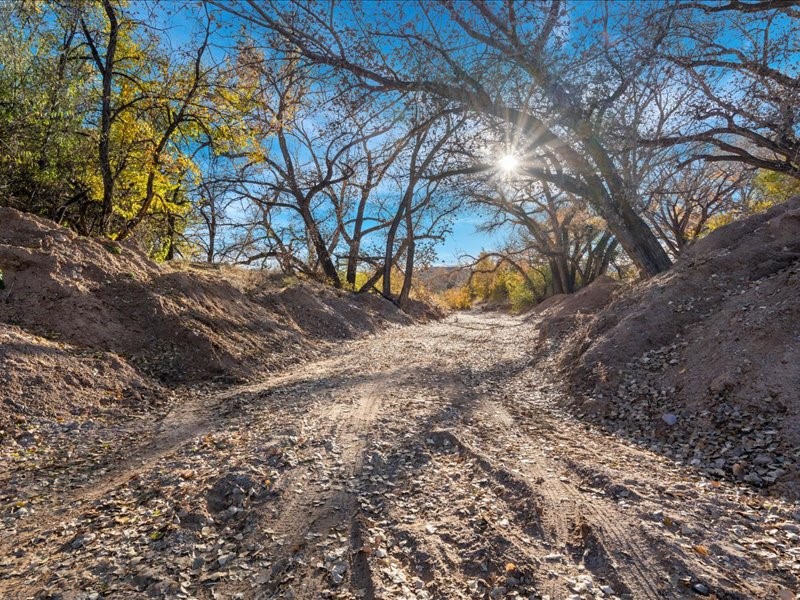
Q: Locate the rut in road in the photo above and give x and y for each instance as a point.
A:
(430, 461)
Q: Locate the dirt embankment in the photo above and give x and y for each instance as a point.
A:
(563, 313)
(702, 363)
(83, 322)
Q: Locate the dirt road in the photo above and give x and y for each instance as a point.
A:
(430, 461)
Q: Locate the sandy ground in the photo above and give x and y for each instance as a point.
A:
(427, 461)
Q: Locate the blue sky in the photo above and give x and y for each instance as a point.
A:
(466, 239)
(182, 27)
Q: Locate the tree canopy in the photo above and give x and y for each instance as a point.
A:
(343, 140)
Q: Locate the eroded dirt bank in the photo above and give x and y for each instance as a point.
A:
(429, 461)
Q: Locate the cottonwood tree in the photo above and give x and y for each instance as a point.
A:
(307, 163)
(418, 192)
(688, 200)
(742, 61)
(42, 155)
(513, 273)
(149, 106)
(510, 62)
(575, 246)
(398, 204)
(354, 197)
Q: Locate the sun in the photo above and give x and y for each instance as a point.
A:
(508, 163)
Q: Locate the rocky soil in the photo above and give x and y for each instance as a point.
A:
(702, 363)
(427, 461)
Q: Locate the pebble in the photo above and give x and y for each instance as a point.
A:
(553, 557)
(701, 589)
(669, 418)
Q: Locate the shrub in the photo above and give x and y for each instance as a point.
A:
(457, 298)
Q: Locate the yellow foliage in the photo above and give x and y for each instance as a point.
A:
(775, 188)
(456, 298)
(717, 221)
(500, 285)
(504, 284)
(361, 278)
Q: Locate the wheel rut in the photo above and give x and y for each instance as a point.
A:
(415, 464)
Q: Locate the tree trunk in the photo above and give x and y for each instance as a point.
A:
(639, 243)
(321, 249)
(390, 237)
(212, 236)
(105, 65)
(355, 244)
(171, 232)
(405, 292)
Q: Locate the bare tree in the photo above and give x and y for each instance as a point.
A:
(575, 246)
(688, 198)
(515, 69)
(740, 59)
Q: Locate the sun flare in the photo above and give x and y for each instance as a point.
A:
(508, 163)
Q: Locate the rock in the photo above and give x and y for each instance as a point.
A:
(584, 585)
(701, 589)
(669, 419)
(81, 541)
(607, 590)
(225, 559)
(553, 557)
(753, 478)
(338, 571)
(763, 460)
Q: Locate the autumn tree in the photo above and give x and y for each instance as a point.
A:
(43, 157)
(152, 117)
(687, 201)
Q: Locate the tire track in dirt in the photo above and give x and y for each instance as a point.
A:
(374, 420)
(344, 424)
(199, 415)
(641, 571)
(524, 509)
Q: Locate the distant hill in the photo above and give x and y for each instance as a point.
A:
(440, 278)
